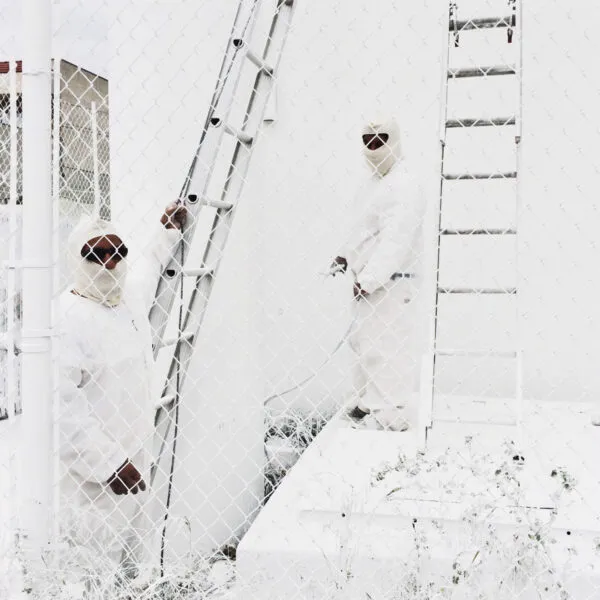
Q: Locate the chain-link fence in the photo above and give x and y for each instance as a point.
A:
(83, 115)
(325, 310)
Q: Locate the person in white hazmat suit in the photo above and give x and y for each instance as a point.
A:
(106, 414)
(383, 253)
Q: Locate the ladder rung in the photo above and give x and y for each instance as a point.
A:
(477, 353)
(483, 23)
(253, 58)
(469, 290)
(463, 176)
(199, 272)
(242, 136)
(171, 341)
(496, 121)
(478, 231)
(164, 401)
(216, 203)
(482, 71)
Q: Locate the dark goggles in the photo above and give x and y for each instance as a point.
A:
(102, 254)
(373, 141)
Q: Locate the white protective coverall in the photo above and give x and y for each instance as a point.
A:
(383, 253)
(106, 414)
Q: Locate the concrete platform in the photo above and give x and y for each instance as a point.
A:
(363, 515)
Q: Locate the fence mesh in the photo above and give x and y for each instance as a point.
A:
(326, 322)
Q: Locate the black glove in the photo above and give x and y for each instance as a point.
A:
(339, 265)
(359, 293)
(127, 479)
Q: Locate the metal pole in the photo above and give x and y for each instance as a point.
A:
(97, 199)
(37, 366)
(519, 400)
(432, 261)
(11, 326)
(56, 106)
(11, 287)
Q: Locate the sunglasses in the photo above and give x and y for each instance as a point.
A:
(375, 140)
(99, 254)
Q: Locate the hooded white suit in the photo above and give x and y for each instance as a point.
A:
(383, 252)
(106, 412)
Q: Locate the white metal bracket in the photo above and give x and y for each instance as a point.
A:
(26, 264)
(37, 340)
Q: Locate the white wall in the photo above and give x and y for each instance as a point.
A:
(560, 214)
(342, 63)
(309, 164)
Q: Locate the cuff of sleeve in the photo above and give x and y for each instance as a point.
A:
(112, 465)
(170, 236)
(165, 242)
(369, 284)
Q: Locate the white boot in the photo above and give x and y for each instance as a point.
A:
(387, 419)
(357, 410)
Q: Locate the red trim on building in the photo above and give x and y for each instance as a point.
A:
(4, 66)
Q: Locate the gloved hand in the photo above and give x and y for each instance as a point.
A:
(175, 216)
(359, 293)
(339, 265)
(127, 479)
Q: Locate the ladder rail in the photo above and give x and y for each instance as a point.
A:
(428, 364)
(224, 73)
(167, 415)
(222, 222)
(519, 400)
(450, 74)
(200, 170)
(172, 279)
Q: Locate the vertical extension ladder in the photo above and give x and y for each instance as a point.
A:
(512, 23)
(241, 46)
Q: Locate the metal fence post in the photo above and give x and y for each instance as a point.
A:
(37, 366)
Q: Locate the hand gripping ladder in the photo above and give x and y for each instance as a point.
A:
(512, 23)
(241, 46)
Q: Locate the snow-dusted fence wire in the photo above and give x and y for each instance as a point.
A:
(326, 320)
(10, 193)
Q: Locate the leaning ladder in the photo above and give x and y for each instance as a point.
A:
(201, 277)
(512, 23)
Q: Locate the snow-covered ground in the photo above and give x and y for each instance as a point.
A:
(363, 515)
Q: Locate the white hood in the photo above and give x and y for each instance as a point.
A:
(90, 279)
(383, 159)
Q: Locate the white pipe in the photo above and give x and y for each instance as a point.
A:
(97, 199)
(11, 288)
(37, 368)
(430, 262)
(444, 88)
(56, 76)
(519, 400)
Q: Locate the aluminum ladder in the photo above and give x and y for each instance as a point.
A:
(242, 46)
(511, 22)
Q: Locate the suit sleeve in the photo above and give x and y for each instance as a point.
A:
(399, 223)
(85, 448)
(354, 225)
(150, 260)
